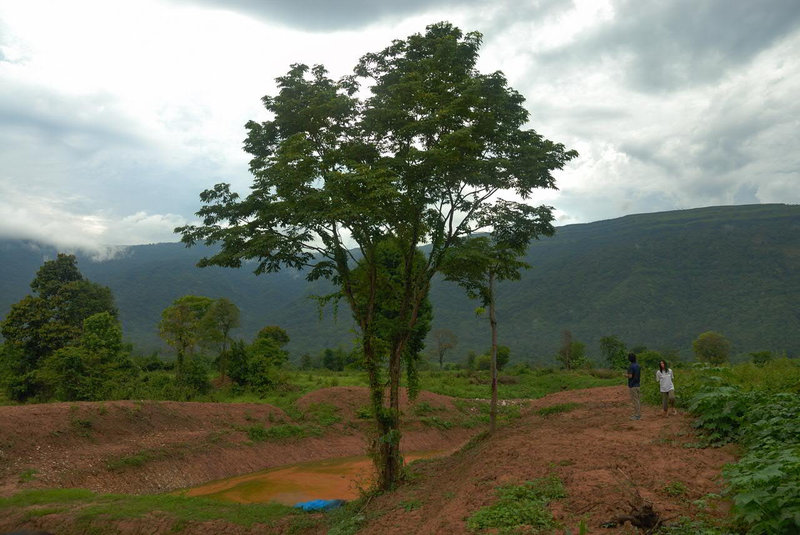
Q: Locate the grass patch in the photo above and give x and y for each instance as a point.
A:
(557, 409)
(28, 475)
(139, 459)
(259, 433)
(436, 422)
(424, 408)
(532, 384)
(183, 509)
(323, 414)
(522, 505)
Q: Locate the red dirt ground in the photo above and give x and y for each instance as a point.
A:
(602, 457)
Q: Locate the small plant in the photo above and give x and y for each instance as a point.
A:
(422, 408)
(523, 505)
(675, 489)
(324, 414)
(28, 475)
(410, 505)
(435, 421)
(259, 433)
(364, 413)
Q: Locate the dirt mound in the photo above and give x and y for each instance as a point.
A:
(584, 437)
(143, 447)
(353, 401)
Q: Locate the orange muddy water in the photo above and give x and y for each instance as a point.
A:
(329, 479)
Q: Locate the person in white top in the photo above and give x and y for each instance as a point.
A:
(664, 377)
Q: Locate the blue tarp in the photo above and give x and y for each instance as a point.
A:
(319, 505)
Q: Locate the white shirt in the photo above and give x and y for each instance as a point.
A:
(665, 380)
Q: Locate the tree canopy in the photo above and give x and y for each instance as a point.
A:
(425, 158)
(52, 319)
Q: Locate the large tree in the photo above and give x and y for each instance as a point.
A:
(49, 320)
(423, 159)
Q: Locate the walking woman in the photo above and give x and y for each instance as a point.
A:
(664, 378)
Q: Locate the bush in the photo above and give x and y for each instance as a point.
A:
(765, 483)
(766, 489)
(712, 347)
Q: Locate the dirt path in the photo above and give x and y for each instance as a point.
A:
(602, 457)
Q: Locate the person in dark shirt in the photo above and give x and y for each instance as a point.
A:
(634, 374)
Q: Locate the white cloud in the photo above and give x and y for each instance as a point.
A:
(115, 115)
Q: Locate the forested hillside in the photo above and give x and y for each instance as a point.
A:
(657, 280)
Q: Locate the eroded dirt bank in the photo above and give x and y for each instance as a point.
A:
(147, 447)
(603, 458)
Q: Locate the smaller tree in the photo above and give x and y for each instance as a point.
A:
(268, 346)
(649, 358)
(219, 320)
(183, 326)
(614, 352)
(484, 362)
(760, 358)
(483, 261)
(333, 359)
(712, 347)
(445, 341)
(91, 369)
(571, 354)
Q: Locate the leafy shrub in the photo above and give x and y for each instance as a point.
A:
(766, 490)
(765, 483)
(720, 413)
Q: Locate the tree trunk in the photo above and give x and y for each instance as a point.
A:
(493, 323)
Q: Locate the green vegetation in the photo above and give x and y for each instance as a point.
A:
(419, 161)
(90, 508)
(28, 475)
(65, 341)
(757, 406)
(712, 347)
(557, 409)
(634, 286)
(259, 433)
(531, 383)
(523, 505)
(675, 489)
(139, 458)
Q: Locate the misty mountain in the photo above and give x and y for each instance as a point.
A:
(656, 280)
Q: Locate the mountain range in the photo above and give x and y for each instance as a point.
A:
(656, 280)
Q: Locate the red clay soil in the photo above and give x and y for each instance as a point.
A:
(99, 446)
(603, 458)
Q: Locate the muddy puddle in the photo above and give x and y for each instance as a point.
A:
(329, 479)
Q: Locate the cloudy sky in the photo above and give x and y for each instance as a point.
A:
(115, 114)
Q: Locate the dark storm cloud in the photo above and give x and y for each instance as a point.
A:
(673, 45)
(324, 16)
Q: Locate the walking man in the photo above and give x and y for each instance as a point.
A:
(634, 374)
